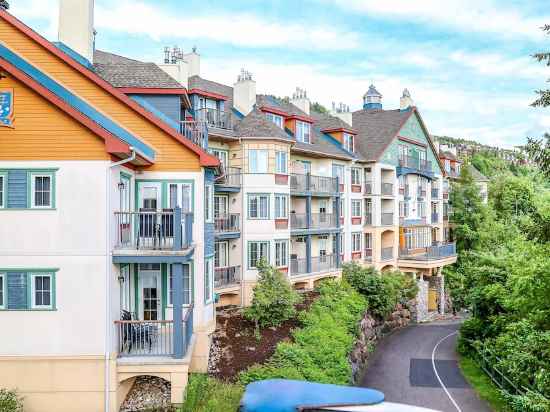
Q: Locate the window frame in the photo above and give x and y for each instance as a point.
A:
(272, 117)
(354, 237)
(354, 203)
(301, 128)
(248, 249)
(224, 158)
(257, 158)
(169, 298)
(279, 196)
(279, 162)
(32, 276)
(259, 196)
(357, 172)
(31, 181)
(285, 257)
(349, 142)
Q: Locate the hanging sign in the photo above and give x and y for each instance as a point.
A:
(6, 108)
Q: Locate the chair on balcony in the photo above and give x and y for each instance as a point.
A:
(149, 227)
(136, 334)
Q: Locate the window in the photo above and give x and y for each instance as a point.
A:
(356, 242)
(421, 209)
(349, 142)
(341, 207)
(41, 292)
(41, 191)
(356, 208)
(2, 190)
(355, 176)
(403, 209)
(2, 290)
(302, 167)
(281, 206)
(281, 253)
(447, 165)
(222, 155)
(402, 182)
(186, 286)
(208, 203)
(275, 118)
(368, 241)
(124, 187)
(208, 279)
(281, 163)
(256, 252)
(303, 132)
(257, 161)
(258, 206)
(338, 171)
(220, 254)
(180, 196)
(403, 151)
(342, 244)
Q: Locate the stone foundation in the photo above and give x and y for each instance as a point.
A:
(420, 311)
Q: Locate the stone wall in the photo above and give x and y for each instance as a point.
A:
(371, 330)
(420, 311)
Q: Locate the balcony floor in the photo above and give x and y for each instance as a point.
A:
(422, 263)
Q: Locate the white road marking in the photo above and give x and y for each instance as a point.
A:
(437, 374)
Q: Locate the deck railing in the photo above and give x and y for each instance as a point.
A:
(386, 253)
(368, 188)
(436, 251)
(195, 131)
(318, 221)
(415, 163)
(227, 276)
(169, 229)
(368, 218)
(299, 266)
(215, 118)
(314, 184)
(387, 219)
(231, 177)
(227, 223)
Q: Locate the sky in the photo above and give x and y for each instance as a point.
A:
(466, 63)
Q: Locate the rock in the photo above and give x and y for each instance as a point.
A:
(148, 393)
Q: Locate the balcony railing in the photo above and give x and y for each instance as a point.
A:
(435, 193)
(231, 177)
(434, 252)
(227, 276)
(368, 188)
(318, 221)
(415, 163)
(314, 184)
(152, 337)
(227, 223)
(368, 219)
(387, 219)
(412, 221)
(386, 253)
(169, 229)
(299, 266)
(387, 189)
(215, 118)
(368, 255)
(196, 132)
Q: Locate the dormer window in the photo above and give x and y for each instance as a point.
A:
(349, 142)
(275, 118)
(303, 132)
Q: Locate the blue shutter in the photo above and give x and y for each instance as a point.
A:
(17, 290)
(17, 189)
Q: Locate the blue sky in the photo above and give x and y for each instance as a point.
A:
(466, 62)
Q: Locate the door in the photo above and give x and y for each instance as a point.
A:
(432, 299)
(179, 195)
(220, 254)
(149, 287)
(220, 206)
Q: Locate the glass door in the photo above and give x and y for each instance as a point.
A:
(150, 292)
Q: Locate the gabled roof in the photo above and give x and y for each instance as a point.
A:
(326, 122)
(476, 174)
(197, 82)
(255, 124)
(206, 159)
(447, 155)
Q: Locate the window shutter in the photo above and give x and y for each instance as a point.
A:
(17, 290)
(17, 189)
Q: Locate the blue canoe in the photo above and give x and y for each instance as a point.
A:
(282, 395)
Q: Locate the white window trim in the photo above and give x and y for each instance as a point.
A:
(286, 255)
(33, 286)
(285, 155)
(354, 236)
(258, 151)
(4, 283)
(302, 127)
(285, 198)
(353, 203)
(169, 303)
(258, 242)
(33, 182)
(259, 196)
(357, 171)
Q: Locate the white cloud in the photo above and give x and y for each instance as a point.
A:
(41, 10)
(479, 16)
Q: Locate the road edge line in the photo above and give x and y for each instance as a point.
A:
(437, 374)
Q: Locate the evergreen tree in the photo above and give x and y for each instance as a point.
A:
(4, 4)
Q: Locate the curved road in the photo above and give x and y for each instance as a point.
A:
(402, 368)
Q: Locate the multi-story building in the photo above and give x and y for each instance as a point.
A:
(107, 221)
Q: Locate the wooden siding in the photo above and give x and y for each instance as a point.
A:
(42, 131)
(171, 155)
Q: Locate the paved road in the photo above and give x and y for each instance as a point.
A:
(401, 367)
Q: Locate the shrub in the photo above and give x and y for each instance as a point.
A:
(10, 401)
(204, 394)
(274, 298)
(319, 351)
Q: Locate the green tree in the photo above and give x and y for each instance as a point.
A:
(274, 298)
(539, 151)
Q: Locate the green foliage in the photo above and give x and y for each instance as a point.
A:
(204, 394)
(319, 350)
(318, 107)
(382, 291)
(273, 300)
(10, 401)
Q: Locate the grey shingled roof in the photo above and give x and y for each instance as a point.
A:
(326, 121)
(120, 71)
(476, 174)
(376, 130)
(447, 155)
(197, 82)
(255, 124)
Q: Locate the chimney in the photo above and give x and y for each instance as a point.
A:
(193, 61)
(175, 66)
(244, 93)
(372, 99)
(342, 112)
(76, 26)
(406, 101)
(300, 100)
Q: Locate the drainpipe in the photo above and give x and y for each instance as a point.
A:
(108, 273)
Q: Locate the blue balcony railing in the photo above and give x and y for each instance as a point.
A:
(434, 252)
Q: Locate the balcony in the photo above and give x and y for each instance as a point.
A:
(319, 264)
(368, 219)
(153, 338)
(195, 131)
(386, 253)
(227, 276)
(412, 162)
(230, 180)
(215, 118)
(435, 193)
(387, 219)
(368, 188)
(319, 221)
(315, 185)
(226, 225)
(150, 230)
(387, 189)
(408, 221)
(435, 252)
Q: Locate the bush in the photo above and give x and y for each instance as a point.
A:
(10, 401)
(274, 298)
(383, 291)
(319, 351)
(204, 394)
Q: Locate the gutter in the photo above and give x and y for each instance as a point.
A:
(108, 274)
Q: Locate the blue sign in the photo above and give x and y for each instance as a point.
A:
(6, 107)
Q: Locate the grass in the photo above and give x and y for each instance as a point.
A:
(482, 384)
(204, 394)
